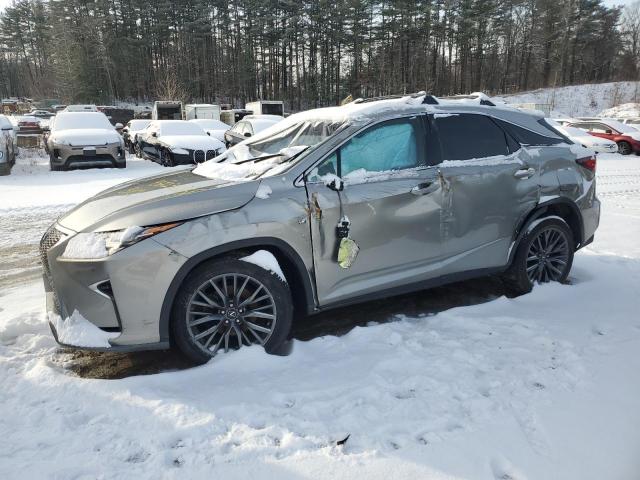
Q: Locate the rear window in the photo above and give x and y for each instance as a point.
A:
(470, 136)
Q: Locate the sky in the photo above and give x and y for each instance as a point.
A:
(610, 3)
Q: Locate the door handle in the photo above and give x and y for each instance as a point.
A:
(525, 173)
(425, 188)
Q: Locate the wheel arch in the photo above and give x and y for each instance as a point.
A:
(293, 267)
(560, 207)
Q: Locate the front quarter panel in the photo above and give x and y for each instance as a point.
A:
(282, 215)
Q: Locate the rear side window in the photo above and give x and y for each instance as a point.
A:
(469, 136)
(526, 137)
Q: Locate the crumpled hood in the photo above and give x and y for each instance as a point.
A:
(86, 136)
(175, 196)
(192, 142)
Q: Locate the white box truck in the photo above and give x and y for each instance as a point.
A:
(167, 110)
(201, 110)
(266, 107)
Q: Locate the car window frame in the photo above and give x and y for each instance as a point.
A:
(420, 123)
(508, 138)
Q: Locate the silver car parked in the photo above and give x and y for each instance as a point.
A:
(84, 139)
(328, 207)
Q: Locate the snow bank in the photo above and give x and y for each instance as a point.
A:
(80, 332)
(579, 100)
(266, 260)
(622, 111)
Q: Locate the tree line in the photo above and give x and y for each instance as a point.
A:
(308, 53)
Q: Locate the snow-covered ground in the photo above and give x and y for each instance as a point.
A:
(580, 100)
(544, 386)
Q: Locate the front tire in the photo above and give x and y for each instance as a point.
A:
(166, 159)
(228, 303)
(544, 254)
(624, 148)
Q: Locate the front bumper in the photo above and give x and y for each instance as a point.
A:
(122, 293)
(87, 155)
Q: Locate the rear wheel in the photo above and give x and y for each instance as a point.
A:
(624, 148)
(227, 304)
(545, 254)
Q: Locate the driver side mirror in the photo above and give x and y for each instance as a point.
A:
(119, 126)
(608, 132)
(154, 134)
(209, 133)
(247, 134)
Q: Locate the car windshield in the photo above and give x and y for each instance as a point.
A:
(273, 147)
(211, 124)
(81, 120)
(180, 127)
(621, 127)
(139, 124)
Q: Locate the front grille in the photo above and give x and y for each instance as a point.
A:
(200, 156)
(49, 239)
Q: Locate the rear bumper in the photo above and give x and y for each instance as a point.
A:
(590, 221)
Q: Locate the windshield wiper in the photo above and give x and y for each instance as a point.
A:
(273, 155)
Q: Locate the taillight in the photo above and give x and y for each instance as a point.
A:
(588, 162)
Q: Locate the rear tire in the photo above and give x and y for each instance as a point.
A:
(544, 254)
(5, 169)
(624, 148)
(210, 319)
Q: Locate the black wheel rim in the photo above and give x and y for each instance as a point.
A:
(624, 148)
(548, 256)
(229, 311)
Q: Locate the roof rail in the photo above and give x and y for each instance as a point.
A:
(484, 99)
(428, 99)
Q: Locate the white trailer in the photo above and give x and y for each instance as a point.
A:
(201, 110)
(167, 110)
(266, 107)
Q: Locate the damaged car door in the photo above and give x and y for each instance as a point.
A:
(493, 184)
(390, 206)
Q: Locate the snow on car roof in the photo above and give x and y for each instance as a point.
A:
(81, 120)
(179, 127)
(210, 123)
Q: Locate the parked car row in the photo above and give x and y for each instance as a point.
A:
(8, 146)
(608, 133)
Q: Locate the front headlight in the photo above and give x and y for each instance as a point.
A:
(96, 245)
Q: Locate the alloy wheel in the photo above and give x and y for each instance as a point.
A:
(229, 311)
(624, 148)
(548, 256)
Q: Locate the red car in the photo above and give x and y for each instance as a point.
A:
(29, 125)
(627, 137)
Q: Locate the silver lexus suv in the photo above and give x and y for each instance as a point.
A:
(329, 207)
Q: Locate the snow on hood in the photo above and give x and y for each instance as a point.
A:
(86, 136)
(192, 142)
